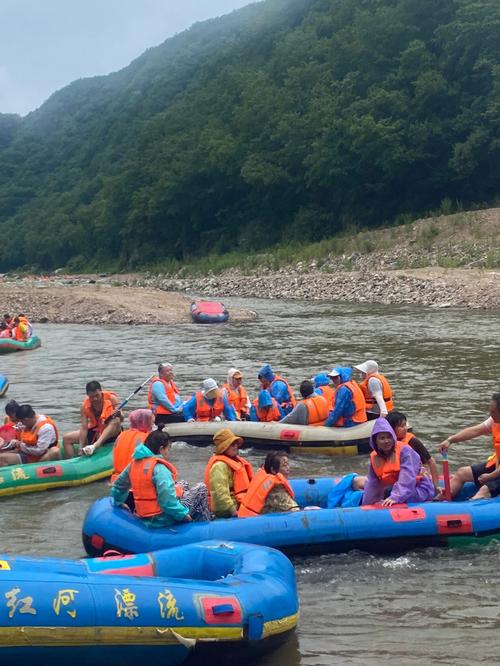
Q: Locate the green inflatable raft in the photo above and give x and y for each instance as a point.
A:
(8, 345)
(30, 478)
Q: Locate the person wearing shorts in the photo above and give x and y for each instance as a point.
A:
(485, 475)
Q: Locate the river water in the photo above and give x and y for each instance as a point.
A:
(427, 607)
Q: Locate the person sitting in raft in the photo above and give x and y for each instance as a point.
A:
(349, 401)
(323, 387)
(24, 320)
(99, 421)
(37, 440)
(376, 389)
(20, 332)
(141, 423)
(399, 424)
(395, 475)
(227, 475)
(486, 475)
(237, 394)
(209, 404)
(8, 321)
(278, 387)
(164, 399)
(11, 413)
(265, 408)
(347, 492)
(150, 477)
(4, 330)
(269, 490)
(313, 410)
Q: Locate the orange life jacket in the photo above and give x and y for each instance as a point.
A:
(99, 422)
(328, 392)
(238, 398)
(30, 437)
(271, 414)
(171, 391)
(205, 412)
(386, 391)
(358, 398)
(242, 475)
(143, 488)
(292, 400)
(495, 436)
(21, 335)
(124, 448)
(317, 409)
(387, 469)
(261, 485)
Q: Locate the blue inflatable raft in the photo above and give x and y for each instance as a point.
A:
(209, 312)
(369, 528)
(4, 385)
(146, 609)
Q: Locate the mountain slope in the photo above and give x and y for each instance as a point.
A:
(286, 119)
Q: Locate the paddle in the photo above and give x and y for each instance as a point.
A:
(122, 404)
(446, 476)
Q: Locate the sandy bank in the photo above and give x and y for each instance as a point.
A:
(78, 301)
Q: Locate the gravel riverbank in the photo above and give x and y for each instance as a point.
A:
(155, 299)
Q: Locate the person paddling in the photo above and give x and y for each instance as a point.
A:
(99, 422)
(486, 475)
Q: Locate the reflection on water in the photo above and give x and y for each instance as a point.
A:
(426, 607)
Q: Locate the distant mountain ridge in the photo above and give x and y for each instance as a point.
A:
(287, 119)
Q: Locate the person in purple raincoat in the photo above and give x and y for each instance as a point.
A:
(396, 475)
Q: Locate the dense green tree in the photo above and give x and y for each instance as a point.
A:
(286, 120)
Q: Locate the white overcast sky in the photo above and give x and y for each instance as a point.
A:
(46, 44)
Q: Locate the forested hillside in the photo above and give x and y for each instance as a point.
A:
(286, 120)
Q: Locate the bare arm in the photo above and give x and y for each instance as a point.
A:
(464, 435)
(84, 428)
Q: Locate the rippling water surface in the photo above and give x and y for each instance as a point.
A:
(428, 606)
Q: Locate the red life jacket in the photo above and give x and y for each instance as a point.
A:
(205, 412)
(358, 398)
(238, 398)
(30, 437)
(143, 488)
(124, 448)
(242, 475)
(98, 422)
(317, 409)
(386, 392)
(292, 401)
(261, 485)
(270, 414)
(20, 334)
(171, 391)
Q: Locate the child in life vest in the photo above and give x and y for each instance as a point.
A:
(395, 475)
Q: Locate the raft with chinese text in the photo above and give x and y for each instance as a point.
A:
(33, 477)
(152, 608)
(299, 438)
(369, 528)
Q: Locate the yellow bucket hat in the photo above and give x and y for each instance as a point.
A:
(223, 440)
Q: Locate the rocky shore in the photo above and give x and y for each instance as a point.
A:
(410, 264)
(156, 299)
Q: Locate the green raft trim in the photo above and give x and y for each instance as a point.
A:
(8, 345)
(33, 477)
